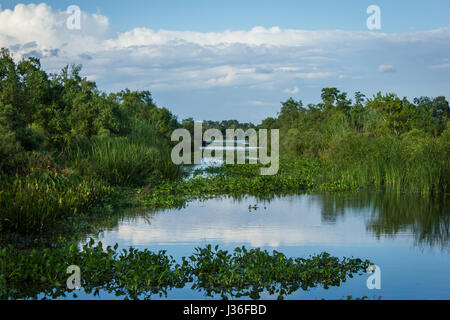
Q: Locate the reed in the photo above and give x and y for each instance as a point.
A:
(413, 163)
(35, 203)
(137, 159)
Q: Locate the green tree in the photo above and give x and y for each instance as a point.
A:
(290, 112)
(396, 113)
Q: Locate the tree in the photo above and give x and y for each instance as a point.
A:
(164, 120)
(432, 114)
(359, 99)
(440, 112)
(269, 123)
(395, 112)
(329, 97)
(135, 104)
(290, 112)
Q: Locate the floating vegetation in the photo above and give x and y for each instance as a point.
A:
(294, 177)
(137, 274)
(248, 273)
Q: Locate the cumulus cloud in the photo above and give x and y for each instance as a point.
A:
(259, 36)
(387, 68)
(43, 29)
(293, 91)
(264, 58)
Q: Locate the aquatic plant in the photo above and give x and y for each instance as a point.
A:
(34, 203)
(140, 274)
(415, 163)
(295, 175)
(247, 273)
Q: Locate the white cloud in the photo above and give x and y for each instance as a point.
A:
(292, 91)
(260, 36)
(386, 68)
(444, 65)
(259, 58)
(43, 29)
(259, 103)
(297, 222)
(441, 66)
(313, 75)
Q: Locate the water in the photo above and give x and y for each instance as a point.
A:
(210, 157)
(408, 237)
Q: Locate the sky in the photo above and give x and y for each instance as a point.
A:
(215, 60)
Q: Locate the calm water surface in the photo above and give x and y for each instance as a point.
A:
(408, 237)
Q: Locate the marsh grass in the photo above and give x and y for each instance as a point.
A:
(414, 163)
(34, 203)
(134, 160)
(37, 202)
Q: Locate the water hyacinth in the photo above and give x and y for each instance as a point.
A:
(131, 273)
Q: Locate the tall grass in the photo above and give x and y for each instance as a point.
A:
(414, 162)
(33, 203)
(139, 158)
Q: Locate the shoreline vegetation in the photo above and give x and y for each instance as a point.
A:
(70, 153)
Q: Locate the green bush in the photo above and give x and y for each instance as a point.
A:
(13, 157)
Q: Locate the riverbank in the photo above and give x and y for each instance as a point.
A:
(51, 203)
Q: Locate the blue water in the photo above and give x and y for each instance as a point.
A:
(406, 236)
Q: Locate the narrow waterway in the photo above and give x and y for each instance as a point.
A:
(406, 236)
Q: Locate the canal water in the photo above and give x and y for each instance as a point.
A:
(406, 236)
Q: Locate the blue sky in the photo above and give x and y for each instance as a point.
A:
(214, 15)
(239, 59)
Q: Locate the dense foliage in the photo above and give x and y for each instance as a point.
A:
(64, 143)
(220, 125)
(61, 112)
(378, 141)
